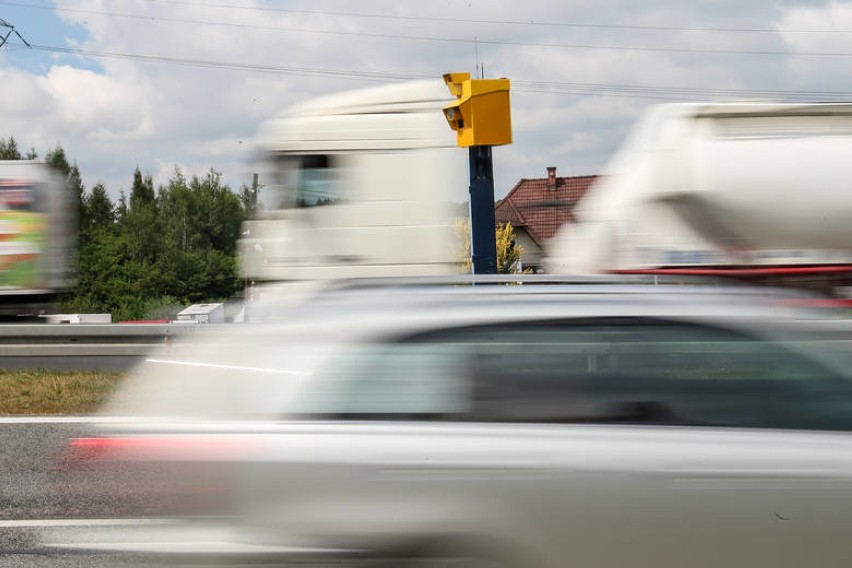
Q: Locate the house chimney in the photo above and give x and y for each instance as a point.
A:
(551, 178)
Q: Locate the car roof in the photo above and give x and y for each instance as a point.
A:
(385, 309)
(526, 295)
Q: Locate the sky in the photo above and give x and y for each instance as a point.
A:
(165, 84)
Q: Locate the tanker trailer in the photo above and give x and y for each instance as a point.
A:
(760, 192)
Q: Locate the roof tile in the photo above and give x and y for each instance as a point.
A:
(531, 204)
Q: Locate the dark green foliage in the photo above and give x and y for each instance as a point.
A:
(9, 149)
(98, 210)
(201, 222)
(142, 192)
(57, 159)
(153, 252)
(146, 258)
(201, 214)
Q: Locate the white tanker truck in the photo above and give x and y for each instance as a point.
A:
(761, 192)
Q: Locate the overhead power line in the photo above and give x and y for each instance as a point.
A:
(519, 85)
(206, 63)
(496, 22)
(10, 29)
(469, 41)
(677, 93)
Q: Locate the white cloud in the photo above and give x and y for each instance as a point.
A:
(798, 27)
(100, 105)
(20, 96)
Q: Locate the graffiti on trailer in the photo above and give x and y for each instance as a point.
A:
(22, 235)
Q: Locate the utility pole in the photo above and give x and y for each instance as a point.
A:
(483, 245)
(254, 189)
(9, 30)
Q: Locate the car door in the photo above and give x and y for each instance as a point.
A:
(679, 444)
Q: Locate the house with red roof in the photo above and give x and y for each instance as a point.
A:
(537, 208)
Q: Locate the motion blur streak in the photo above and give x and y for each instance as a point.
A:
(233, 367)
(80, 450)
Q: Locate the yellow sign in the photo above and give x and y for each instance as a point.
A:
(481, 116)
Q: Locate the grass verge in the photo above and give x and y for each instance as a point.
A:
(54, 392)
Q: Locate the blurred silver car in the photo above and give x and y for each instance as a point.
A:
(592, 423)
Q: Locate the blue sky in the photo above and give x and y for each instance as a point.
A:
(40, 25)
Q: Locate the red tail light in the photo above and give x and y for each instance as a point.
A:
(159, 448)
(168, 475)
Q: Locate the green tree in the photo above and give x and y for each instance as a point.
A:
(176, 206)
(98, 211)
(74, 181)
(201, 222)
(59, 161)
(140, 223)
(219, 213)
(121, 207)
(56, 158)
(508, 251)
(142, 192)
(150, 252)
(9, 149)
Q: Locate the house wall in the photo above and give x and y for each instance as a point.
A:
(531, 257)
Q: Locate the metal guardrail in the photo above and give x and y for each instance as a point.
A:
(118, 347)
(104, 347)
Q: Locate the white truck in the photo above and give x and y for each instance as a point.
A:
(357, 184)
(762, 192)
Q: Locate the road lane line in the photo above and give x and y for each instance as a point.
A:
(63, 419)
(40, 523)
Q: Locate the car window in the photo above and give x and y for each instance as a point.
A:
(623, 371)
(403, 380)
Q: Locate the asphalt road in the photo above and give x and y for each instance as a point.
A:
(26, 448)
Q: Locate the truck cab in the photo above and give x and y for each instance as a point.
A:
(357, 184)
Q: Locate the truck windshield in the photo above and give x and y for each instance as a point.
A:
(299, 181)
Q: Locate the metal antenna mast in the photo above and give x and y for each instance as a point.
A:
(11, 30)
(479, 70)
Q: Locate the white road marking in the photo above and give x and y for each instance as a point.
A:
(62, 419)
(39, 523)
(229, 367)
